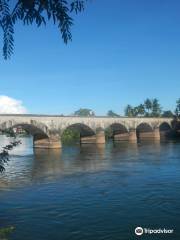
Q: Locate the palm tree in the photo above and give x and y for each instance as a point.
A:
(177, 111)
(148, 105)
(156, 108)
(141, 110)
(135, 111)
(129, 111)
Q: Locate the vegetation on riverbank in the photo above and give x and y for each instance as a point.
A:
(5, 232)
(70, 136)
(149, 108)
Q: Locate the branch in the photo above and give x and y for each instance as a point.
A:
(4, 154)
(38, 12)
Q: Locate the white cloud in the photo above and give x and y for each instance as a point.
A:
(11, 105)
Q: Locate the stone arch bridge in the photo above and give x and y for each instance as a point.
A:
(47, 130)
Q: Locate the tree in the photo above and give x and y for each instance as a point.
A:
(141, 110)
(84, 112)
(152, 106)
(135, 111)
(167, 114)
(110, 113)
(156, 108)
(70, 136)
(177, 110)
(148, 105)
(37, 12)
(129, 111)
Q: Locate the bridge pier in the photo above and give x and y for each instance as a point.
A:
(99, 138)
(88, 140)
(121, 137)
(132, 135)
(52, 142)
(150, 135)
(157, 135)
(166, 134)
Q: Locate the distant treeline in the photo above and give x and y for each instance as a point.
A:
(149, 108)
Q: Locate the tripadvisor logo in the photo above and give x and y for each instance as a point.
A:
(140, 231)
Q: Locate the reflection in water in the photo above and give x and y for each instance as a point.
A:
(91, 191)
(47, 163)
(69, 160)
(28, 165)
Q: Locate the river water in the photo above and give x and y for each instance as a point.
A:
(90, 192)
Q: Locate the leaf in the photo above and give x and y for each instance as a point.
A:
(38, 12)
(5, 231)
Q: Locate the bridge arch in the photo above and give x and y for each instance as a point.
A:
(40, 132)
(80, 131)
(165, 126)
(176, 128)
(144, 131)
(165, 130)
(118, 132)
(82, 128)
(34, 128)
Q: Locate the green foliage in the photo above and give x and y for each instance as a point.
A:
(167, 114)
(70, 136)
(110, 113)
(4, 154)
(134, 111)
(37, 12)
(9, 132)
(108, 133)
(177, 110)
(150, 108)
(84, 112)
(148, 105)
(129, 111)
(156, 108)
(141, 110)
(4, 232)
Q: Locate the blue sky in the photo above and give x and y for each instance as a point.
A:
(123, 51)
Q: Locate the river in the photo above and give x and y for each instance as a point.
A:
(91, 192)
